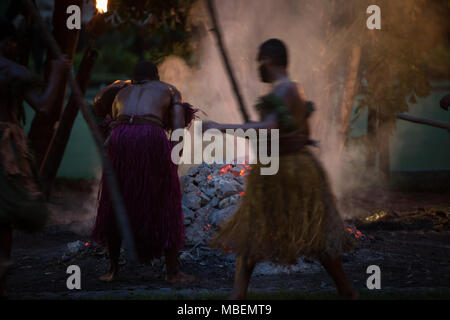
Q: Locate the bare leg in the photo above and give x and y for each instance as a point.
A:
(5, 255)
(334, 268)
(242, 276)
(174, 274)
(114, 245)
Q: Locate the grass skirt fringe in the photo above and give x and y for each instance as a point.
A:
(22, 204)
(285, 216)
(148, 179)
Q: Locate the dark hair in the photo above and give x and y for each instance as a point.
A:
(275, 50)
(145, 70)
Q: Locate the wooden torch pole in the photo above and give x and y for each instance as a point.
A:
(108, 170)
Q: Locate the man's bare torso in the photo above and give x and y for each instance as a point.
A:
(150, 97)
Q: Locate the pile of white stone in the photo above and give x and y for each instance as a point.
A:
(211, 195)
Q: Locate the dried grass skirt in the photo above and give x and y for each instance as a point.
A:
(150, 186)
(285, 216)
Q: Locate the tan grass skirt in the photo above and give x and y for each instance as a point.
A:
(285, 216)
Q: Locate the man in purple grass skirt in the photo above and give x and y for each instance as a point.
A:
(143, 111)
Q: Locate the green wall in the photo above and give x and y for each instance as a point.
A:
(415, 146)
(81, 159)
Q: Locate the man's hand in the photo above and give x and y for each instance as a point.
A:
(445, 102)
(43, 102)
(61, 67)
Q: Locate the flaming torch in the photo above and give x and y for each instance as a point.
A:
(79, 102)
(97, 25)
(102, 6)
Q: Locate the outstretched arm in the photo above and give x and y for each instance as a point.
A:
(42, 102)
(269, 122)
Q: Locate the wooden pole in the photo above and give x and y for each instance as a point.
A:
(351, 86)
(108, 170)
(226, 61)
(428, 122)
(42, 129)
(55, 152)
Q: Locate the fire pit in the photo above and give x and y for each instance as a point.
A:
(211, 195)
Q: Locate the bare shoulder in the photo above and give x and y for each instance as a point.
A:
(170, 87)
(299, 91)
(175, 94)
(289, 91)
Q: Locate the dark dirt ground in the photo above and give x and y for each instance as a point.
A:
(411, 245)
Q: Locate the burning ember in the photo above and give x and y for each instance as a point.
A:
(229, 168)
(355, 232)
(211, 195)
(102, 6)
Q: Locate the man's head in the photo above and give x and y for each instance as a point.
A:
(272, 55)
(145, 70)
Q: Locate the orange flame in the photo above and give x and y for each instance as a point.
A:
(228, 169)
(101, 5)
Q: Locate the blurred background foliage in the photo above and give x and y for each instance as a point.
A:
(138, 30)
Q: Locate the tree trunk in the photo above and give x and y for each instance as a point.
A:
(43, 126)
(55, 153)
(372, 122)
(384, 136)
(351, 86)
(322, 119)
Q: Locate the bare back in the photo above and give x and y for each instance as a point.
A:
(150, 97)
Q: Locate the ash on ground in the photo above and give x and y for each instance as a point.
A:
(407, 235)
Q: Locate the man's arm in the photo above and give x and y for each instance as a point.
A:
(103, 101)
(269, 122)
(177, 109)
(42, 102)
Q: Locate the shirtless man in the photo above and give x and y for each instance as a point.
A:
(22, 205)
(143, 112)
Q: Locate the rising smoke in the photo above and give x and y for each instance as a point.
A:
(319, 60)
(245, 25)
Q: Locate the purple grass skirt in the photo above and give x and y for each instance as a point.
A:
(150, 186)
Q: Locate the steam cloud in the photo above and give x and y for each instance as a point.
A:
(245, 25)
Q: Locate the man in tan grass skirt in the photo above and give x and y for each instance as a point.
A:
(292, 213)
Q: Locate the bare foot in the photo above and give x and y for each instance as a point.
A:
(352, 295)
(109, 277)
(235, 296)
(179, 277)
(3, 292)
(4, 264)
